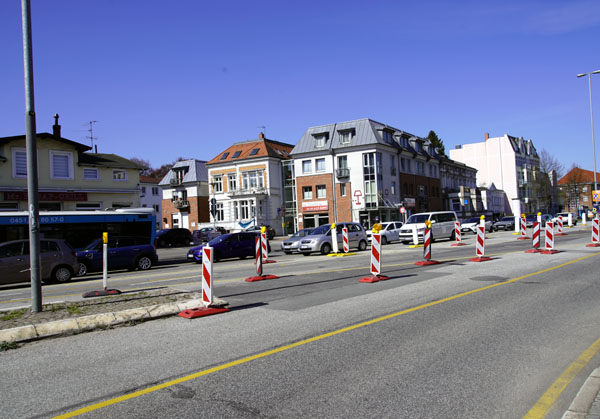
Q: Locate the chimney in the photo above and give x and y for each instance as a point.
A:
(261, 136)
(56, 127)
(486, 136)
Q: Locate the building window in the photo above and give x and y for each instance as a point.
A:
(143, 190)
(236, 214)
(319, 141)
(19, 156)
(88, 206)
(320, 163)
(321, 192)
(260, 208)
(91, 174)
(120, 175)
(220, 215)
(342, 162)
(155, 190)
(254, 151)
(306, 166)
(252, 179)
(156, 208)
(232, 182)
(393, 190)
(346, 137)
(225, 155)
(218, 183)
(369, 179)
(236, 154)
(61, 165)
(342, 189)
(388, 137)
(245, 209)
(307, 192)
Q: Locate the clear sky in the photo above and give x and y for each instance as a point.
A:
(187, 78)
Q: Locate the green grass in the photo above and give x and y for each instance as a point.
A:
(7, 346)
(73, 309)
(14, 314)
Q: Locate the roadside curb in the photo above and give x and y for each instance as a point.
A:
(96, 321)
(582, 403)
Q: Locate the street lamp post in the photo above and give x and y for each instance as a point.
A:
(592, 120)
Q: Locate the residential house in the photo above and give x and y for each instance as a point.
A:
(70, 177)
(185, 195)
(151, 196)
(458, 182)
(247, 181)
(576, 190)
(510, 163)
(373, 168)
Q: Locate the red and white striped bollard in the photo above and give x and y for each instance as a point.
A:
(549, 239)
(480, 246)
(523, 235)
(258, 254)
(346, 245)
(457, 235)
(535, 239)
(265, 248)
(427, 249)
(560, 225)
(595, 233)
(375, 260)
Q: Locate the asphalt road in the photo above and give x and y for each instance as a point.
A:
(456, 340)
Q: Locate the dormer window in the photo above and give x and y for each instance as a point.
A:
(225, 155)
(254, 151)
(388, 136)
(404, 141)
(346, 136)
(320, 141)
(236, 154)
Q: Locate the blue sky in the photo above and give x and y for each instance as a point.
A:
(188, 78)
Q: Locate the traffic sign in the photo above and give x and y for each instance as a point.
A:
(213, 201)
(596, 196)
(402, 210)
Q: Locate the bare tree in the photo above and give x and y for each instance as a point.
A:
(574, 181)
(543, 186)
(145, 164)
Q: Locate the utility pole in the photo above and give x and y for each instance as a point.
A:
(32, 169)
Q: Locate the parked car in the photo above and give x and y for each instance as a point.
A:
(530, 219)
(320, 239)
(504, 223)
(270, 230)
(174, 237)
(290, 245)
(470, 224)
(123, 253)
(232, 245)
(58, 261)
(442, 226)
(389, 232)
(207, 233)
(565, 218)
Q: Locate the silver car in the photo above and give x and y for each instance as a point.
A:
(390, 231)
(290, 245)
(58, 259)
(320, 239)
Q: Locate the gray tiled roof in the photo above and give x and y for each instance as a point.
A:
(197, 172)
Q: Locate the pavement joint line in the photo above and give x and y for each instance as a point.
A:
(302, 342)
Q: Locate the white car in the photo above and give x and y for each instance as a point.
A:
(565, 218)
(470, 224)
(442, 226)
(389, 232)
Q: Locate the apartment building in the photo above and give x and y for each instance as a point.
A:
(362, 171)
(185, 195)
(70, 177)
(151, 196)
(248, 185)
(577, 191)
(510, 163)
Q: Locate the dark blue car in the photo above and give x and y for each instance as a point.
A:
(123, 253)
(234, 245)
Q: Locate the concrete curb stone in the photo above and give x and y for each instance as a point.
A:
(581, 405)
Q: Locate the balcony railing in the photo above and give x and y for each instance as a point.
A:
(249, 191)
(342, 173)
(180, 203)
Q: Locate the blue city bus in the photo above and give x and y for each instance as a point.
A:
(80, 228)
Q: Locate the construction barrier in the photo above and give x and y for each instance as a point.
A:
(207, 295)
(346, 244)
(375, 260)
(549, 239)
(427, 248)
(523, 235)
(535, 239)
(595, 233)
(259, 263)
(457, 235)
(104, 291)
(559, 224)
(334, 242)
(265, 248)
(480, 246)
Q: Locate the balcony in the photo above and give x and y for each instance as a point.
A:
(342, 173)
(249, 191)
(181, 203)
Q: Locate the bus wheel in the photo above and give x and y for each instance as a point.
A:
(62, 274)
(144, 263)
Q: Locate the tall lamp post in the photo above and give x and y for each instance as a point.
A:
(592, 119)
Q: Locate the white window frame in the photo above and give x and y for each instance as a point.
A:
(90, 169)
(117, 179)
(319, 141)
(232, 182)
(317, 161)
(346, 137)
(307, 192)
(342, 189)
(306, 166)
(16, 150)
(218, 183)
(321, 191)
(69, 156)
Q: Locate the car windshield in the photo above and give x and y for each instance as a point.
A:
(91, 246)
(320, 230)
(471, 220)
(506, 219)
(417, 218)
(302, 233)
(218, 240)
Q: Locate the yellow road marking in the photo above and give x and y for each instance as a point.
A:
(247, 359)
(545, 403)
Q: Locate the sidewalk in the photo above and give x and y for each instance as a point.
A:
(95, 313)
(587, 402)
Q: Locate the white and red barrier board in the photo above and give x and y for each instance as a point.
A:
(549, 239)
(523, 235)
(595, 234)
(560, 227)
(346, 244)
(457, 235)
(375, 254)
(263, 242)
(207, 270)
(427, 244)
(535, 239)
(258, 255)
(480, 246)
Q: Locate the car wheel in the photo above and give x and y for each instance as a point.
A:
(325, 249)
(362, 245)
(62, 274)
(383, 240)
(83, 269)
(143, 263)
(453, 236)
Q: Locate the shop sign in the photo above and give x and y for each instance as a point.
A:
(315, 206)
(47, 196)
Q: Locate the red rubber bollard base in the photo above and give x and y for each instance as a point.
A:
(374, 278)
(593, 245)
(267, 261)
(561, 234)
(458, 244)
(260, 278)
(532, 251)
(480, 259)
(101, 293)
(549, 252)
(523, 238)
(427, 262)
(201, 312)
